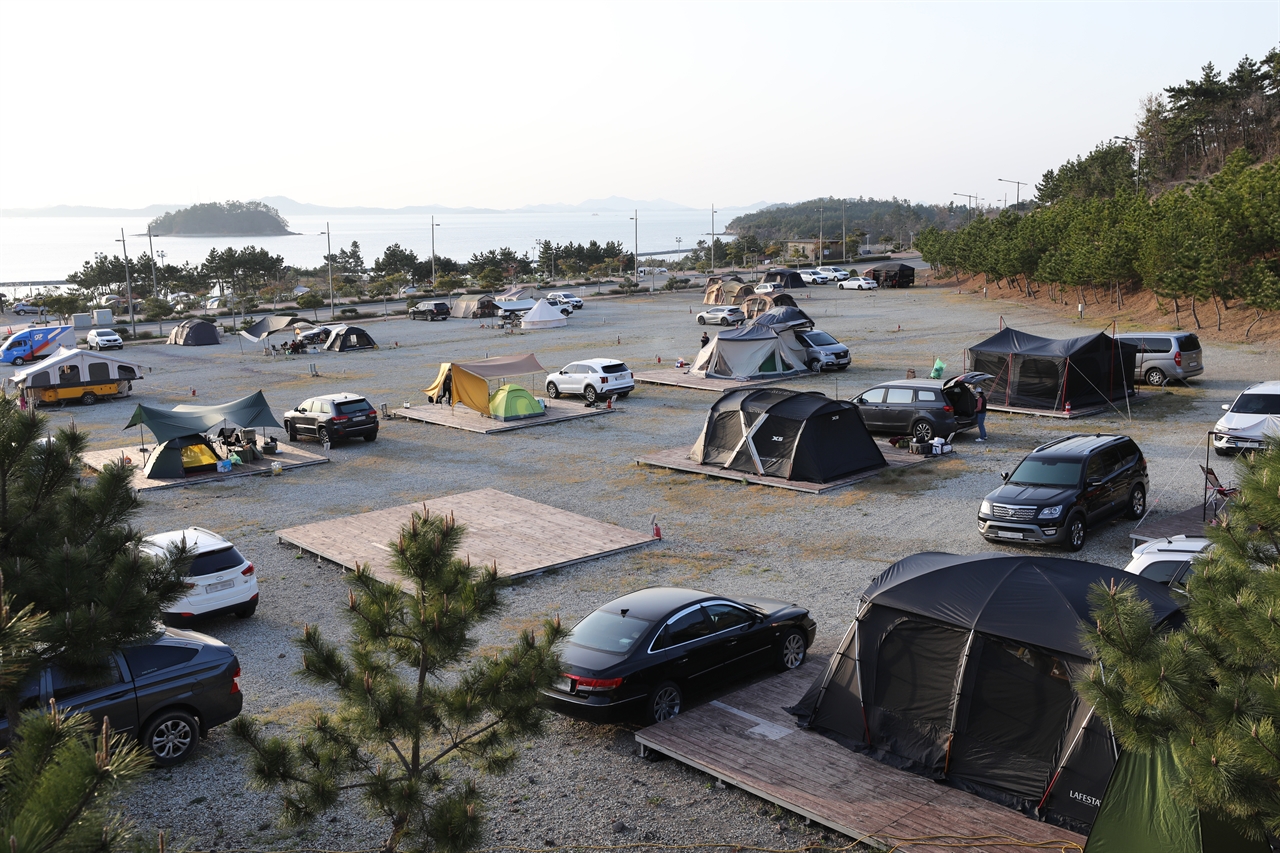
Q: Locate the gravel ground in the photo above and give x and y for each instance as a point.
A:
(581, 783)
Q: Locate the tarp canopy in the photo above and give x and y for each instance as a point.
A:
(783, 317)
(960, 668)
(511, 402)
(1047, 373)
(748, 352)
(792, 434)
(348, 338)
(515, 304)
(194, 333)
(543, 316)
(470, 380)
(268, 326)
(251, 411)
(515, 292)
(75, 367)
(892, 274)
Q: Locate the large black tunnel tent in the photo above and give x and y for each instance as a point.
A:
(960, 668)
(791, 434)
(349, 339)
(194, 333)
(1032, 372)
(892, 274)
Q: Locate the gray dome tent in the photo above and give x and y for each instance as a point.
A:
(960, 668)
(792, 434)
(194, 333)
(348, 339)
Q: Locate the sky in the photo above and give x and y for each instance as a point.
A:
(500, 105)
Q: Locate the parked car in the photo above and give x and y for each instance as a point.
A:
(220, 579)
(24, 308)
(1248, 421)
(922, 408)
(835, 273)
(101, 339)
(312, 334)
(1167, 561)
(766, 287)
(566, 296)
(1063, 488)
(592, 378)
(813, 277)
(333, 417)
(432, 310)
(561, 305)
(644, 651)
(1165, 355)
(166, 693)
(822, 351)
(859, 282)
(725, 315)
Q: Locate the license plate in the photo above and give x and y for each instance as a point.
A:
(564, 684)
(220, 586)
(1008, 534)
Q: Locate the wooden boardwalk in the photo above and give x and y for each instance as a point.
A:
(521, 536)
(1189, 522)
(746, 739)
(1083, 412)
(679, 377)
(460, 417)
(289, 457)
(677, 459)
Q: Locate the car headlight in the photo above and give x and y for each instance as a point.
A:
(1051, 512)
(986, 507)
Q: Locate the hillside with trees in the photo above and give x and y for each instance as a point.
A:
(887, 220)
(231, 218)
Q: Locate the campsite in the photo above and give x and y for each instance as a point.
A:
(820, 550)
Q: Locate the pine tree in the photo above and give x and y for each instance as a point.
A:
(1211, 688)
(411, 699)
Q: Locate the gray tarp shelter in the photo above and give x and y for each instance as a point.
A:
(960, 669)
(194, 333)
(1032, 372)
(267, 326)
(781, 317)
(251, 411)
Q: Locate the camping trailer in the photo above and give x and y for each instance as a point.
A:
(74, 374)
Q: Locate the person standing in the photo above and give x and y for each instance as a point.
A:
(980, 410)
(446, 390)
(706, 339)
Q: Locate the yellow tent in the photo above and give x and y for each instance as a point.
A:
(470, 385)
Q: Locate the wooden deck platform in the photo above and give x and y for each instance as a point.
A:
(1189, 522)
(677, 459)
(460, 417)
(521, 536)
(1083, 412)
(289, 457)
(679, 377)
(746, 739)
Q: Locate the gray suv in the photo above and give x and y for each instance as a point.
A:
(921, 408)
(1165, 355)
(821, 350)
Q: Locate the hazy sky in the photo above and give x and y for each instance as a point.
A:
(506, 104)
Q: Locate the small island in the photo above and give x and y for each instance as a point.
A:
(222, 219)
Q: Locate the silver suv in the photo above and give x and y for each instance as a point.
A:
(1165, 355)
(822, 351)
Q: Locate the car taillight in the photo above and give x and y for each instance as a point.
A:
(235, 681)
(1177, 358)
(948, 409)
(337, 419)
(597, 683)
(604, 380)
(189, 585)
(248, 570)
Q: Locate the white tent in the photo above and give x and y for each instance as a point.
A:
(543, 316)
(751, 352)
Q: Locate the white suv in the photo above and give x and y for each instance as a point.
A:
(813, 277)
(101, 339)
(220, 580)
(835, 273)
(566, 296)
(592, 378)
(1167, 561)
(1253, 417)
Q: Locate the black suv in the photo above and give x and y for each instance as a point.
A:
(1065, 487)
(166, 693)
(429, 311)
(333, 417)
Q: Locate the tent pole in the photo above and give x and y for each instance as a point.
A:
(1065, 758)
(955, 697)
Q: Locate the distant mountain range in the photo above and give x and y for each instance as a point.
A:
(289, 207)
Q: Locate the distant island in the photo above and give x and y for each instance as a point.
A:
(223, 219)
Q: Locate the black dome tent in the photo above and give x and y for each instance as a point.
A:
(791, 434)
(194, 333)
(960, 668)
(349, 339)
(1046, 373)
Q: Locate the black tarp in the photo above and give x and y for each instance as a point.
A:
(1032, 372)
(892, 274)
(783, 317)
(790, 434)
(960, 668)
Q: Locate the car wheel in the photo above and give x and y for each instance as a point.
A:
(702, 321)
(590, 393)
(371, 436)
(293, 434)
(1137, 506)
(19, 361)
(724, 321)
(1155, 376)
(840, 286)
(1077, 531)
(860, 287)
(814, 365)
(171, 737)
(922, 431)
(248, 610)
(20, 312)
(664, 702)
(791, 652)
(553, 391)
(322, 436)
(88, 398)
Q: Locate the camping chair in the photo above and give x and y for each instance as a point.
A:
(1216, 493)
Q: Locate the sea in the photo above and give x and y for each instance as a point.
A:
(36, 251)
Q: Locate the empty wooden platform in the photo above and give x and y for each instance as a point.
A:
(1189, 522)
(677, 459)
(460, 417)
(289, 457)
(521, 536)
(680, 377)
(1082, 412)
(747, 740)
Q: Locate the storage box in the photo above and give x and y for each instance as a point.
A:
(224, 466)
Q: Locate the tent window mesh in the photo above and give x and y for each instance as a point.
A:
(915, 670)
(99, 371)
(1021, 700)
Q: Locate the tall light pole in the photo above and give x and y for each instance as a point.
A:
(1017, 205)
(844, 228)
(636, 250)
(328, 241)
(679, 240)
(433, 252)
(969, 210)
(820, 252)
(713, 237)
(155, 284)
(128, 285)
(1137, 175)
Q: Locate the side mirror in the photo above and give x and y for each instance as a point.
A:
(1226, 407)
(1004, 475)
(1093, 481)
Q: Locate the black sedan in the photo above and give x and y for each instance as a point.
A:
(644, 651)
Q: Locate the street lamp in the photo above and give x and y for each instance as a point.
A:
(820, 252)
(844, 229)
(128, 285)
(713, 238)
(972, 199)
(328, 241)
(1137, 175)
(155, 284)
(1018, 195)
(636, 220)
(434, 226)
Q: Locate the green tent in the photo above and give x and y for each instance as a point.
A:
(1139, 815)
(511, 402)
(178, 457)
